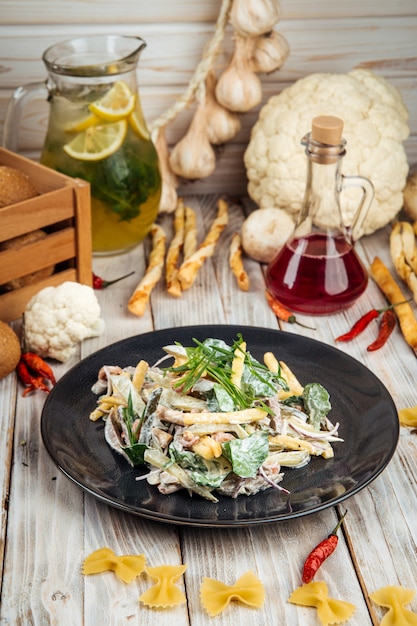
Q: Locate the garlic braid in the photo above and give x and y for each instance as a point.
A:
(197, 82)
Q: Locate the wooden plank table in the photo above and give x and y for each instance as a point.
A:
(49, 525)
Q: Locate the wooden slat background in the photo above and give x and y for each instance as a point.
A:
(324, 36)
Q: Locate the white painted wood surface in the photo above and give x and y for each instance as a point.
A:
(49, 525)
(324, 36)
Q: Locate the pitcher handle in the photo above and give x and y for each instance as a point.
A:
(368, 193)
(20, 97)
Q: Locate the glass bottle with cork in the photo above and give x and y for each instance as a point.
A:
(318, 270)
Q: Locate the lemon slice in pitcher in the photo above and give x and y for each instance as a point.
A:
(117, 104)
(82, 124)
(98, 142)
(138, 124)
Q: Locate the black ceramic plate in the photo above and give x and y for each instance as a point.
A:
(368, 424)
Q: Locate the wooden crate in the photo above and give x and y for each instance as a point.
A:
(62, 210)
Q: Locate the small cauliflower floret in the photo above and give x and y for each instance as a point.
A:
(376, 124)
(58, 318)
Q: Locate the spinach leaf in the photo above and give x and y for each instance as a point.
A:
(224, 399)
(259, 381)
(136, 452)
(184, 458)
(202, 472)
(213, 476)
(247, 455)
(316, 403)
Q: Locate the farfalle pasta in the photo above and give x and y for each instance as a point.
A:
(216, 596)
(394, 598)
(125, 567)
(408, 416)
(329, 610)
(164, 593)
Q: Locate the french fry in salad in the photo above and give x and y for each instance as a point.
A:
(213, 420)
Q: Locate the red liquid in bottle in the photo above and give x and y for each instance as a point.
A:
(317, 275)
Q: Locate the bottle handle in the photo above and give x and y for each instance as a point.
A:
(20, 97)
(368, 193)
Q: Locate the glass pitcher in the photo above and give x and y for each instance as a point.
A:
(97, 132)
(318, 270)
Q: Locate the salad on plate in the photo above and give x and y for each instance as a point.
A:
(212, 419)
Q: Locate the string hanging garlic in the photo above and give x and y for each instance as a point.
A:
(254, 17)
(222, 124)
(270, 52)
(239, 89)
(169, 196)
(193, 157)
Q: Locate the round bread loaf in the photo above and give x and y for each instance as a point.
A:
(9, 349)
(16, 244)
(15, 186)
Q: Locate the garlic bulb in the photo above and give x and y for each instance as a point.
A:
(254, 17)
(222, 124)
(169, 197)
(270, 52)
(239, 89)
(193, 157)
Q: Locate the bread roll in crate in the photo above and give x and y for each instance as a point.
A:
(45, 231)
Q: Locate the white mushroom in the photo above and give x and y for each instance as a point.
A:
(264, 232)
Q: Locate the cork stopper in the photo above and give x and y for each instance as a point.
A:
(327, 129)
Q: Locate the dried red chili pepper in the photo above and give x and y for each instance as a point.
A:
(38, 366)
(31, 382)
(282, 313)
(386, 327)
(364, 321)
(359, 326)
(320, 553)
(100, 283)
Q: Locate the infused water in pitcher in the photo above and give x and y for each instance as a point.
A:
(97, 132)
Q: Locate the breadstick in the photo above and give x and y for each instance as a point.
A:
(404, 254)
(189, 268)
(403, 247)
(392, 291)
(236, 263)
(174, 249)
(140, 297)
(409, 245)
(190, 234)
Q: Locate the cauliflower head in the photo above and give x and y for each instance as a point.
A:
(58, 318)
(375, 127)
